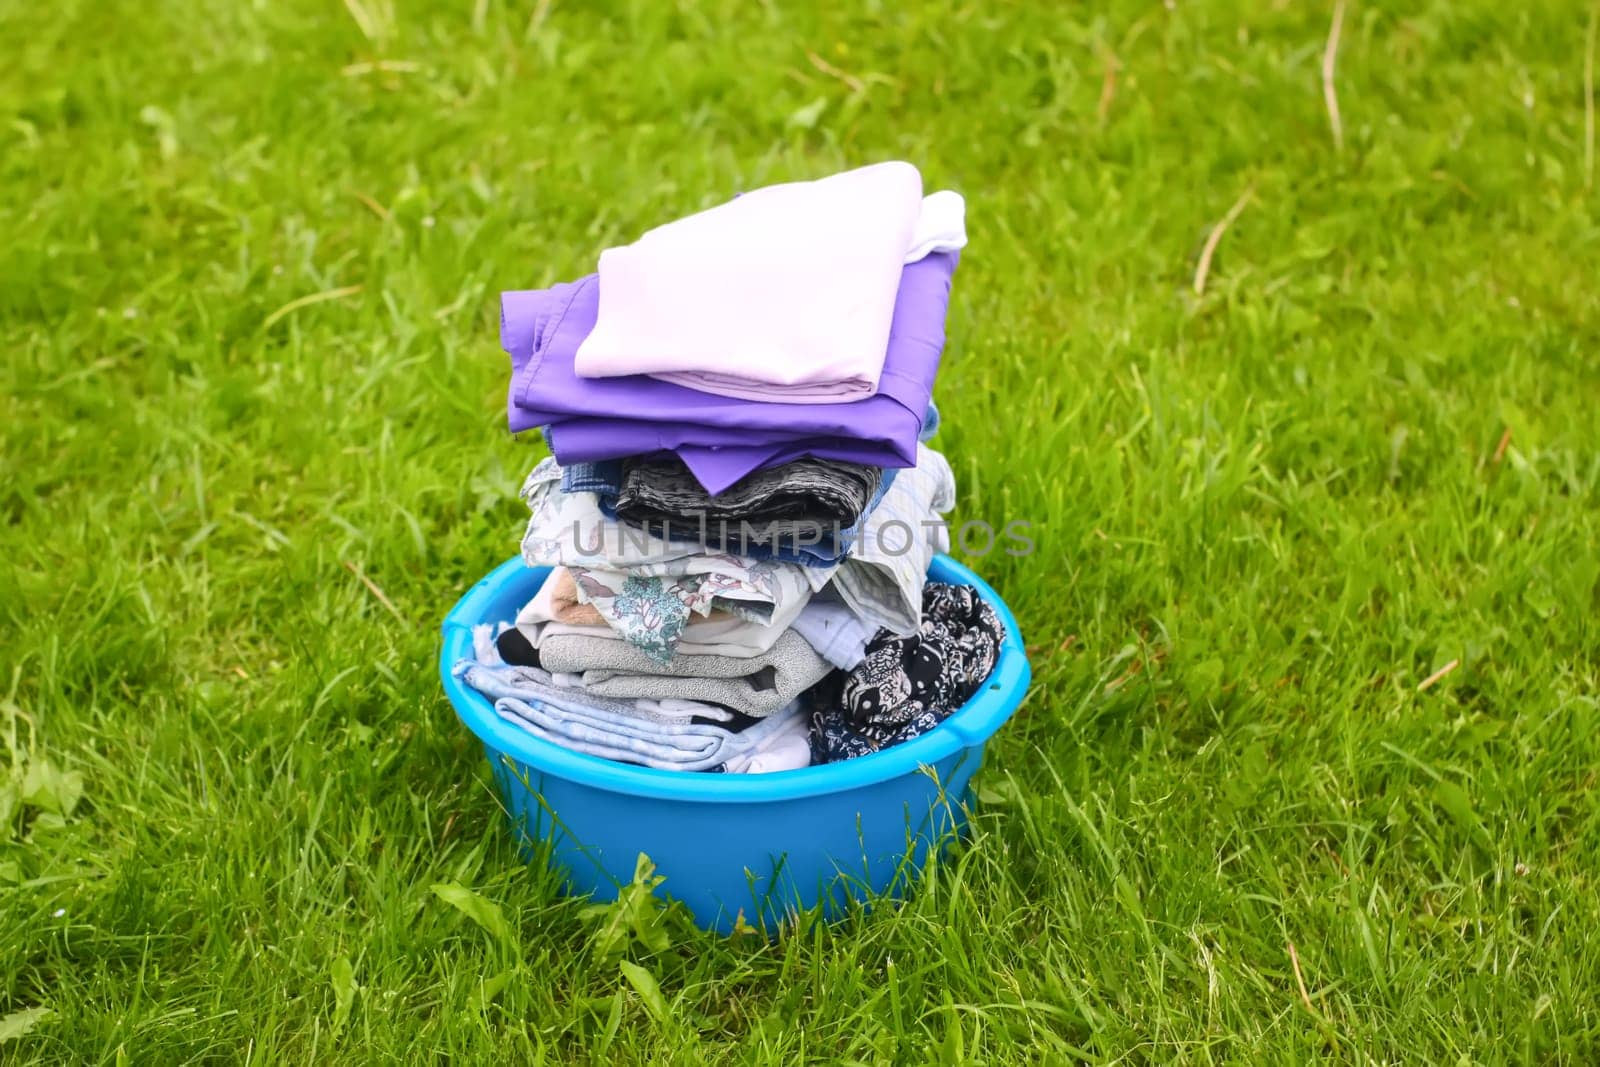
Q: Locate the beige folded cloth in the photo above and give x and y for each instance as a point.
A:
(564, 602)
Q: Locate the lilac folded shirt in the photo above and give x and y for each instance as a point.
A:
(720, 438)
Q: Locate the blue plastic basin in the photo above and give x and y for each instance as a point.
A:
(758, 845)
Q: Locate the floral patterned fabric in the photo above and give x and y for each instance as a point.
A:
(717, 634)
(652, 611)
(908, 685)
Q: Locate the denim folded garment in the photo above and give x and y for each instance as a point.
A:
(720, 439)
(603, 479)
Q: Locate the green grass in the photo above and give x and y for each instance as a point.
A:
(1264, 514)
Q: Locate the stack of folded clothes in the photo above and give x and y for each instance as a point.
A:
(740, 508)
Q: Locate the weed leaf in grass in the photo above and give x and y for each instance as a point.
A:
(999, 793)
(613, 1023)
(1454, 800)
(805, 117)
(49, 789)
(481, 910)
(343, 977)
(637, 910)
(954, 1049)
(644, 983)
(21, 1022)
(9, 799)
(492, 987)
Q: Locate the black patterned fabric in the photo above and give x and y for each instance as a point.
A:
(908, 685)
(805, 494)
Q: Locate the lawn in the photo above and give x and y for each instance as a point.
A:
(1309, 764)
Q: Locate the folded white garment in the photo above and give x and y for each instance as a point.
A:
(785, 292)
(834, 630)
(784, 746)
(941, 227)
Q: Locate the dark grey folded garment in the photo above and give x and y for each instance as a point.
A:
(777, 502)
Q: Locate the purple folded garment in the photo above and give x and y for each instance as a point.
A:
(720, 438)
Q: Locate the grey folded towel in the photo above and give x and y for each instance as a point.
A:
(755, 685)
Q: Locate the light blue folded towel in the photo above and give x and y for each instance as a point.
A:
(667, 735)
